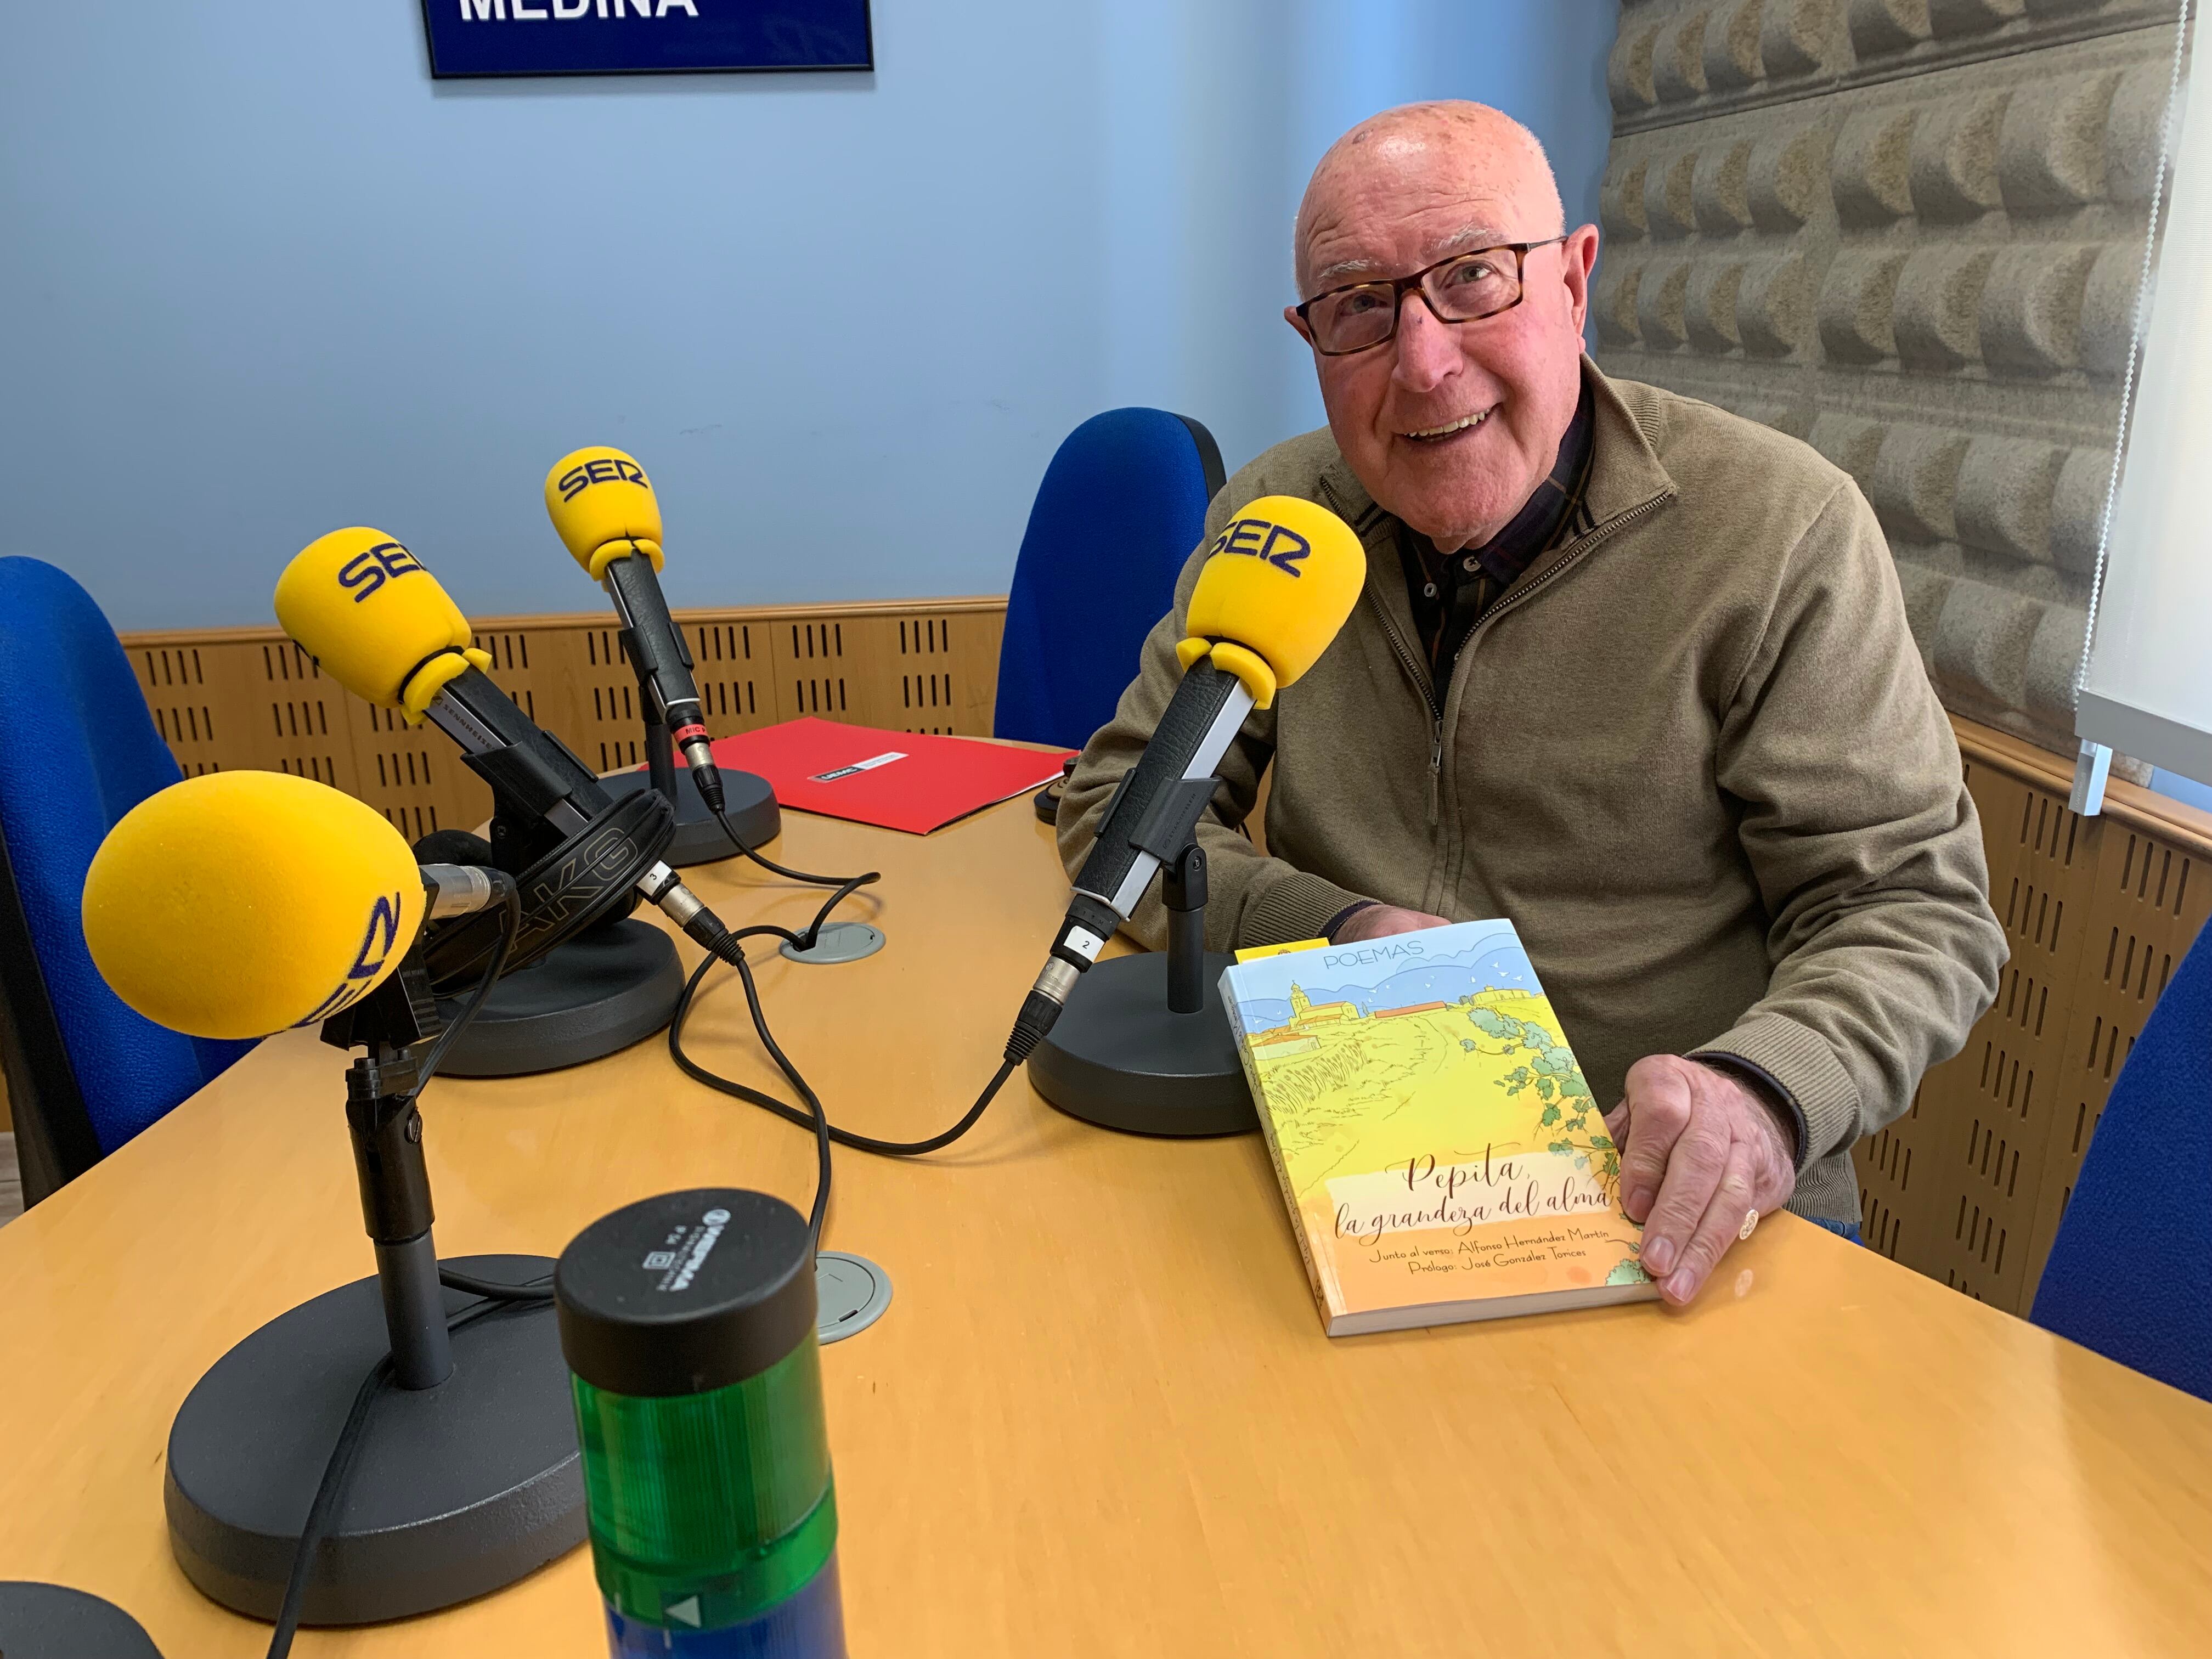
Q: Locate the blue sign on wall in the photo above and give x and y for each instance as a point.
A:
(644, 37)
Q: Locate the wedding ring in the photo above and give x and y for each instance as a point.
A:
(1750, 1221)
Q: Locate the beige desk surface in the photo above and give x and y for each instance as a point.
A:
(1100, 1417)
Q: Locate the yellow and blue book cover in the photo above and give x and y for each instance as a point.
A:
(1440, 1151)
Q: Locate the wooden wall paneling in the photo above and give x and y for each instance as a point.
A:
(302, 721)
(904, 669)
(2150, 897)
(568, 674)
(609, 723)
(731, 663)
(558, 670)
(1892, 1162)
(1996, 1103)
(927, 682)
(525, 665)
(807, 659)
(184, 686)
(976, 640)
(1969, 1185)
(933, 670)
(412, 774)
(249, 697)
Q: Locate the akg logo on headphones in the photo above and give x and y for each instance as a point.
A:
(1263, 538)
(369, 571)
(583, 875)
(376, 943)
(606, 470)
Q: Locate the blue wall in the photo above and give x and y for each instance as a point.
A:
(261, 278)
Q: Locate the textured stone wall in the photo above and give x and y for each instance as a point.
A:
(1911, 233)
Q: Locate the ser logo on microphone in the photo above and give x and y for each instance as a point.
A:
(376, 945)
(605, 470)
(369, 571)
(1263, 538)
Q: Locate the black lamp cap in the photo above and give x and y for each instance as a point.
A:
(685, 1292)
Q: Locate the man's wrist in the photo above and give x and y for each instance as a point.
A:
(1764, 1087)
(1337, 921)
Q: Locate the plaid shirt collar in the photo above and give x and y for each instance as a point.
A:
(1450, 593)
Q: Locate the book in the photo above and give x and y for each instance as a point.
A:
(909, 780)
(1439, 1151)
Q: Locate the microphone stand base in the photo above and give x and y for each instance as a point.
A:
(455, 1490)
(1117, 1057)
(749, 800)
(601, 992)
(52, 1621)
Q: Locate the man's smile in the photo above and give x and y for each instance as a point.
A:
(1450, 428)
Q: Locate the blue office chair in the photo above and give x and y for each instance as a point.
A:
(77, 751)
(2127, 1274)
(1121, 506)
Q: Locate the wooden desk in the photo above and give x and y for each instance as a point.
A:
(1100, 1417)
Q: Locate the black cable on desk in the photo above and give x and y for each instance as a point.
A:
(846, 885)
(819, 1120)
(814, 1118)
(452, 1279)
(331, 1493)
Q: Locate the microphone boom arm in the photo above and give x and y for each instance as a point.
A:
(656, 649)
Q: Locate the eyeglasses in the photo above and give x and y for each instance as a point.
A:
(1464, 289)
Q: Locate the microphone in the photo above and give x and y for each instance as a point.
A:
(604, 508)
(236, 905)
(239, 904)
(1282, 577)
(379, 624)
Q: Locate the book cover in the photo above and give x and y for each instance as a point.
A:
(909, 780)
(1440, 1151)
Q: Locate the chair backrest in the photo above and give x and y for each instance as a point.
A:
(2127, 1271)
(1120, 508)
(77, 751)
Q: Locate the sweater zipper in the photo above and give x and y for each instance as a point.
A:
(1574, 553)
(1419, 676)
(1404, 650)
(1412, 664)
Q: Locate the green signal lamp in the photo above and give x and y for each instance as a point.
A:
(687, 1324)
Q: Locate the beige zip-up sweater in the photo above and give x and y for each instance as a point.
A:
(1692, 755)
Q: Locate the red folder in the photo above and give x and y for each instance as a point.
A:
(906, 780)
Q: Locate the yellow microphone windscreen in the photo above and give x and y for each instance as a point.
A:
(374, 619)
(603, 508)
(1284, 575)
(239, 904)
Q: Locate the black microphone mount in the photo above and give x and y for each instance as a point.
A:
(656, 649)
(583, 855)
(464, 1475)
(703, 795)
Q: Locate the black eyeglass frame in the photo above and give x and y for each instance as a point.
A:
(1399, 286)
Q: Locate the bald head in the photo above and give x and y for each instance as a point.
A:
(1434, 158)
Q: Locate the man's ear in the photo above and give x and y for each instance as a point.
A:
(1578, 254)
(1290, 316)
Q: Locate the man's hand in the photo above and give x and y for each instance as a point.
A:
(1376, 920)
(1699, 1150)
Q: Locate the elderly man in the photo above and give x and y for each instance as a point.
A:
(1628, 671)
